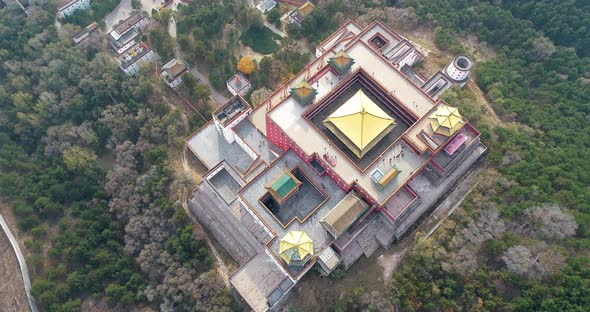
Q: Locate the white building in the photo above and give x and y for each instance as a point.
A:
(124, 35)
(266, 5)
(458, 69)
(228, 116)
(84, 33)
(238, 84)
(67, 7)
(173, 71)
(130, 61)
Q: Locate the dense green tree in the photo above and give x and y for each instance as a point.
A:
(274, 16)
(538, 82)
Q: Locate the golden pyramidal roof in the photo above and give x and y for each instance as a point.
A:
(360, 120)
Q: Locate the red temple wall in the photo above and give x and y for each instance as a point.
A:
(282, 141)
(276, 135)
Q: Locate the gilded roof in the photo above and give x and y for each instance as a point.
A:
(303, 89)
(360, 120)
(341, 58)
(446, 120)
(343, 214)
(306, 8)
(295, 246)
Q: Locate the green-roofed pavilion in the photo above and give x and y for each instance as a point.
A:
(341, 62)
(303, 92)
(283, 186)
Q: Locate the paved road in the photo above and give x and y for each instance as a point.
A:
(21, 261)
(275, 29)
(267, 24)
(120, 13)
(216, 95)
(172, 27)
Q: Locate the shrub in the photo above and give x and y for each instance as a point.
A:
(39, 231)
(260, 40)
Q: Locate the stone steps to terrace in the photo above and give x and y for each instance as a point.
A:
(217, 218)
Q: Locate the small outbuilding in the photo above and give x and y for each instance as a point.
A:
(266, 5)
(173, 71)
(344, 214)
(238, 84)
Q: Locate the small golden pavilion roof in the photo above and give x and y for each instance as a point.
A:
(446, 120)
(341, 62)
(295, 246)
(303, 92)
(306, 8)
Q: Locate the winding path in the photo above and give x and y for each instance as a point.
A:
(21, 261)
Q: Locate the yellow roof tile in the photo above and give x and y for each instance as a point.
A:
(360, 120)
(446, 120)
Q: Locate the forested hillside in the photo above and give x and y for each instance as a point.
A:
(85, 156)
(522, 240)
(84, 165)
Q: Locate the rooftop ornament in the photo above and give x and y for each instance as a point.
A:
(296, 247)
(359, 123)
(303, 92)
(446, 120)
(341, 62)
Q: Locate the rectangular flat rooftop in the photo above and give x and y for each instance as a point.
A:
(260, 279)
(232, 108)
(238, 82)
(225, 184)
(211, 148)
(133, 54)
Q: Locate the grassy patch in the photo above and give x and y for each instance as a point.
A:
(260, 40)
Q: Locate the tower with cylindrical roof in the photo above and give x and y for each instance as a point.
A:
(458, 70)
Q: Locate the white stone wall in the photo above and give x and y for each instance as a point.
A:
(175, 82)
(134, 68)
(318, 53)
(245, 147)
(227, 133)
(410, 59)
(242, 92)
(455, 73)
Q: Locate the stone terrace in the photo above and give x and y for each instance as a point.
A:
(300, 204)
(255, 189)
(211, 148)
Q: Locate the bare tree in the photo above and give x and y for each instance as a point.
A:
(518, 259)
(542, 49)
(549, 221)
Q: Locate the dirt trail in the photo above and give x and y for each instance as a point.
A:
(14, 272)
(12, 291)
(185, 190)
